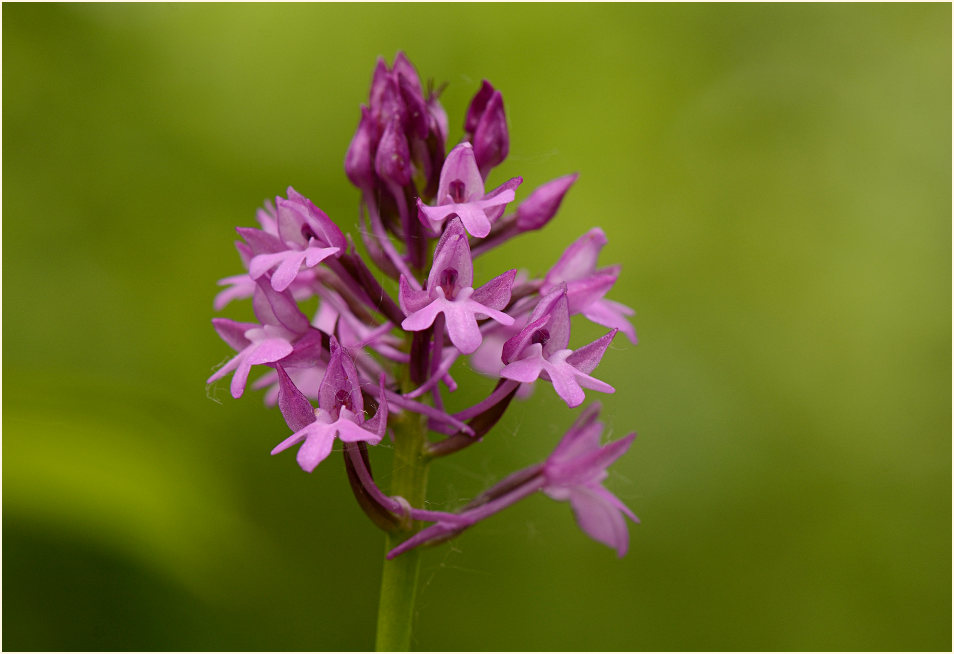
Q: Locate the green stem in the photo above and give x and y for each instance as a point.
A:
(399, 576)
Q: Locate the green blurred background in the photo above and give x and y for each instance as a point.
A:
(775, 180)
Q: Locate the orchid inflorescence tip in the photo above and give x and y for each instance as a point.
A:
(366, 358)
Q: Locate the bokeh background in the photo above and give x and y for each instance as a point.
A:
(775, 180)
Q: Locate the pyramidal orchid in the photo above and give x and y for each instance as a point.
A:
(375, 355)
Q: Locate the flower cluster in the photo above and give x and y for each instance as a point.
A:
(367, 358)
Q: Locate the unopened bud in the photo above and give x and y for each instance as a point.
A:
(359, 160)
(393, 159)
(491, 139)
(537, 210)
(477, 107)
(415, 109)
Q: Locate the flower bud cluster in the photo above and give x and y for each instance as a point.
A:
(366, 357)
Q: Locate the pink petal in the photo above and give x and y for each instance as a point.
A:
(579, 259)
(295, 438)
(411, 299)
(233, 332)
(524, 370)
(286, 272)
(278, 308)
(582, 293)
(564, 381)
(588, 357)
(295, 407)
(452, 252)
(474, 219)
(316, 448)
(460, 165)
(611, 314)
(240, 286)
(340, 375)
(599, 519)
(267, 351)
(479, 309)
(350, 432)
(462, 326)
(262, 263)
(423, 318)
(582, 437)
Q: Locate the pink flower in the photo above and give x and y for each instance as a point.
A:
(586, 284)
(461, 193)
(340, 412)
(450, 292)
(305, 237)
(574, 473)
(539, 350)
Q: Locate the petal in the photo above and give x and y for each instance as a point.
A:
(474, 219)
(432, 217)
(462, 326)
(460, 166)
(315, 255)
(582, 293)
(229, 366)
(378, 424)
(423, 318)
(392, 162)
(579, 260)
(341, 375)
(262, 263)
(350, 432)
(476, 308)
(316, 448)
(233, 332)
(298, 212)
(239, 287)
(594, 384)
(288, 269)
(452, 252)
(558, 325)
(410, 299)
(266, 351)
(278, 308)
(599, 519)
(495, 202)
(295, 407)
(611, 314)
(563, 377)
(588, 357)
(582, 437)
(259, 241)
(405, 69)
(297, 437)
(524, 370)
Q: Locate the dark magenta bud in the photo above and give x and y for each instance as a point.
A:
(415, 109)
(359, 160)
(491, 139)
(477, 106)
(393, 159)
(537, 210)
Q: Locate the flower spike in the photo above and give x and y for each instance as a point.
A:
(425, 214)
